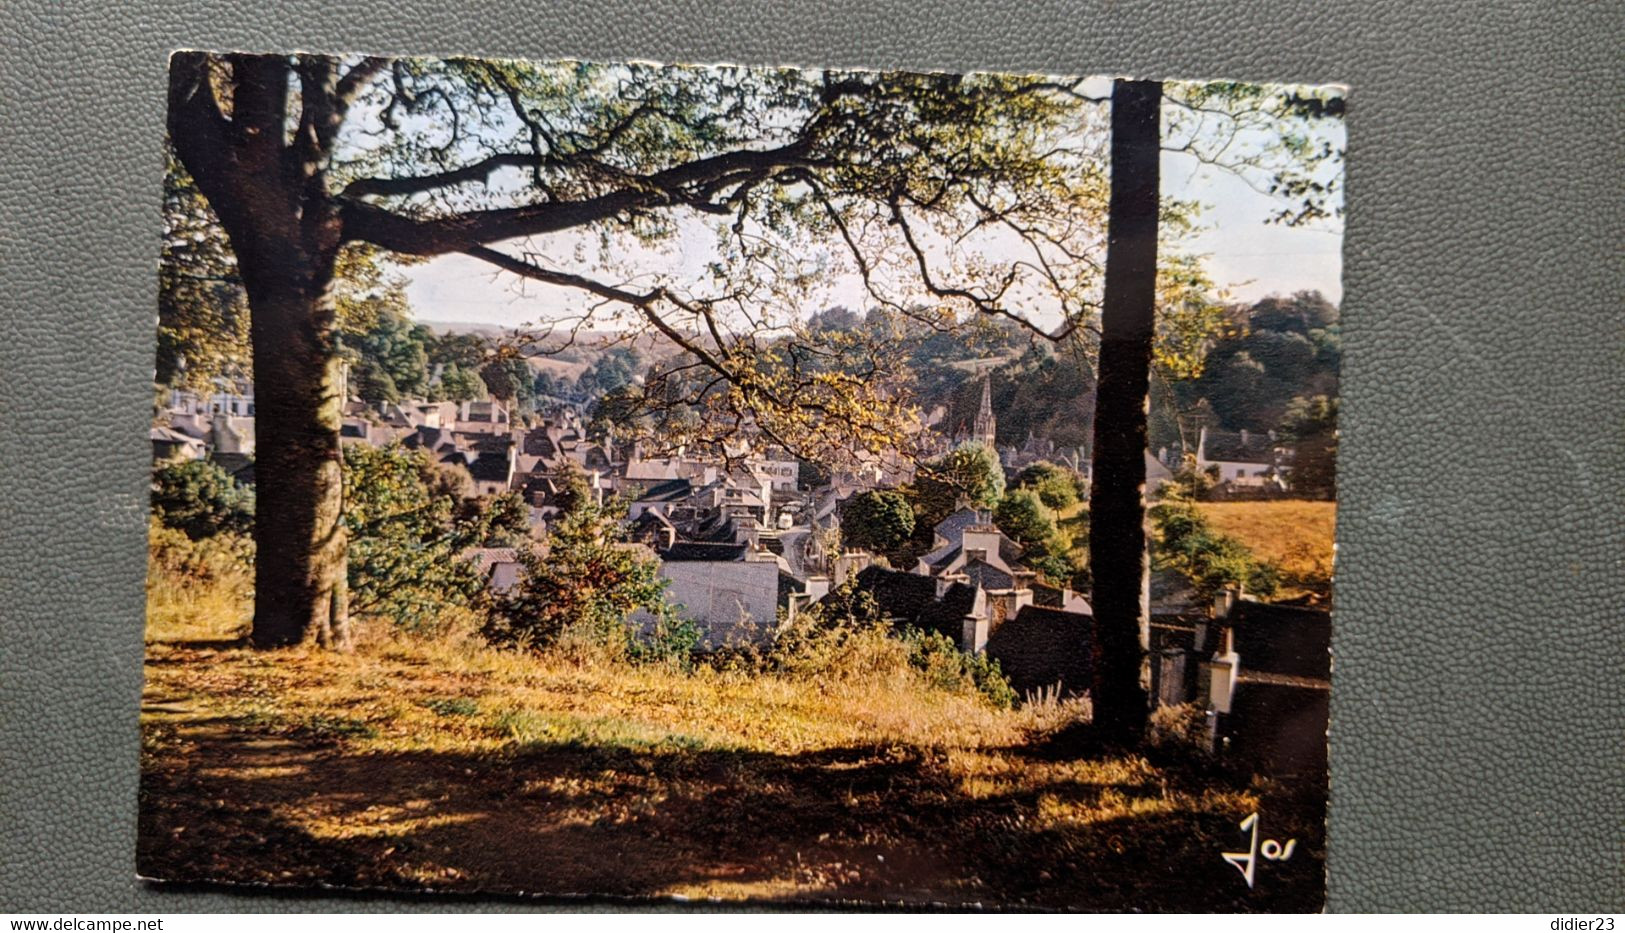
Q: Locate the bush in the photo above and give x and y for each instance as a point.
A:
(201, 589)
(1055, 485)
(947, 668)
(1024, 518)
(672, 642)
(845, 639)
(970, 473)
(201, 499)
(579, 597)
(408, 532)
(1190, 482)
(842, 638)
(1210, 561)
(878, 520)
(1181, 729)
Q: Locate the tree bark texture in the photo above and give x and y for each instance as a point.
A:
(1118, 558)
(269, 193)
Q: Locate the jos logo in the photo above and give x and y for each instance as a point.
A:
(1269, 849)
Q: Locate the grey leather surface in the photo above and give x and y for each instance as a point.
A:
(1478, 738)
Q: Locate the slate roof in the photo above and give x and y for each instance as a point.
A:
(947, 615)
(651, 469)
(945, 557)
(491, 467)
(1285, 640)
(596, 459)
(987, 575)
(952, 528)
(1051, 597)
(788, 586)
(715, 529)
(538, 444)
(650, 519)
(901, 597)
(427, 438)
(703, 551)
(171, 436)
(1042, 647)
(1228, 446)
(668, 491)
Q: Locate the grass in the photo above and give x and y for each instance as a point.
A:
(1295, 534)
(411, 764)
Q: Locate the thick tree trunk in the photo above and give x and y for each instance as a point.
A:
(269, 190)
(1118, 558)
(300, 592)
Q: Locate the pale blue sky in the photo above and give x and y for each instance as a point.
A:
(1248, 258)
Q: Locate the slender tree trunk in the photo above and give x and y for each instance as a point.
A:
(1118, 558)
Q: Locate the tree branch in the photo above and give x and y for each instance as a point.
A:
(197, 128)
(378, 225)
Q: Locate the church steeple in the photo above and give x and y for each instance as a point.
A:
(985, 428)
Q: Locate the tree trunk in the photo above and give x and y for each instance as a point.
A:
(300, 592)
(299, 536)
(1118, 557)
(269, 191)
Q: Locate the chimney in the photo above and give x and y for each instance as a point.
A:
(1023, 598)
(817, 587)
(973, 636)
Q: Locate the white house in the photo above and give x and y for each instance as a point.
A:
(733, 593)
(1240, 458)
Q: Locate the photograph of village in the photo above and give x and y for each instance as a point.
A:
(739, 484)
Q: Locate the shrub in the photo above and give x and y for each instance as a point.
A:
(1181, 729)
(578, 597)
(672, 641)
(201, 589)
(841, 638)
(1190, 483)
(201, 499)
(969, 473)
(1055, 485)
(1210, 561)
(946, 668)
(409, 529)
(877, 520)
(845, 639)
(1024, 518)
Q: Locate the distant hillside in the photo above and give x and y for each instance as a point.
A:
(1295, 534)
(1283, 349)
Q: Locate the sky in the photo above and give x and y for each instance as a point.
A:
(1247, 258)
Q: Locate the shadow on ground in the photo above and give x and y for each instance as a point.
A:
(851, 824)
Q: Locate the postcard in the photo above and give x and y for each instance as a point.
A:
(757, 485)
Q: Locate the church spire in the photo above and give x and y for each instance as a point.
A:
(985, 427)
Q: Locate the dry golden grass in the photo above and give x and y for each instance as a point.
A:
(1295, 534)
(445, 764)
(197, 591)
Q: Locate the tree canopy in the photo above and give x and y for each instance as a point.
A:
(877, 520)
(968, 475)
(703, 207)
